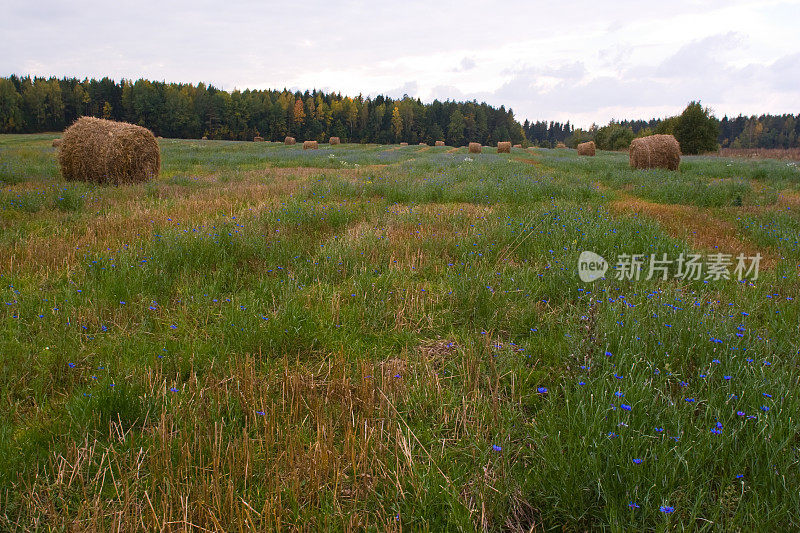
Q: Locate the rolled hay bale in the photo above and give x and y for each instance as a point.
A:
(289, 140)
(587, 148)
(403, 144)
(56, 143)
(561, 145)
(517, 146)
(655, 151)
(474, 148)
(504, 147)
(310, 145)
(423, 144)
(203, 138)
(103, 151)
(258, 139)
(439, 143)
(334, 140)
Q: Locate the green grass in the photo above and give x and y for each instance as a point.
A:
(397, 346)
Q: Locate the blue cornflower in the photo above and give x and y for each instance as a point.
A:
(541, 390)
(173, 389)
(726, 378)
(619, 394)
(633, 505)
(740, 413)
(609, 354)
(497, 448)
(71, 365)
(690, 400)
(764, 408)
(767, 395)
(666, 509)
(625, 407)
(659, 430)
(637, 461)
(581, 383)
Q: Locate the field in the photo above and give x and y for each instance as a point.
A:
(395, 338)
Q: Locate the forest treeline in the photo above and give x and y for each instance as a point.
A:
(30, 105)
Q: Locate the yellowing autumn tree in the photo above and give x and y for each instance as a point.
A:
(397, 123)
(298, 113)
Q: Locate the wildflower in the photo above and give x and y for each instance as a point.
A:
(497, 448)
(666, 509)
(609, 354)
(619, 394)
(637, 461)
(625, 407)
(173, 389)
(541, 390)
(633, 505)
(659, 430)
(740, 413)
(581, 383)
(690, 400)
(764, 408)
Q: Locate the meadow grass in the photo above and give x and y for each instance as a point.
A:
(391, 338)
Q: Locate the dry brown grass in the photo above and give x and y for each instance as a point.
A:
(108, 152)
(791, 154)
(697, 226)
(655, 151)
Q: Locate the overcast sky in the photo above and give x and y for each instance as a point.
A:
(579, 61)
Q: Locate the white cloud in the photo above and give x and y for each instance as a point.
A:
(586, 62)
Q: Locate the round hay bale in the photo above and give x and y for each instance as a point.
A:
(403, 144)
(334, 140)
(561, 145)
(258, 139)
(310, 145)
(587, 148)
(504, 147)
(289, 140)
(655, 151)
(517, 146)
(474, 148)
(439, 143)
(56, 143)
(103, 151)
(204, 138)
(423, 144)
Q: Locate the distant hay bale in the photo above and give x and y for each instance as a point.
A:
(403, 144)
(587, 148)
(258, 139)
(310, 145)
(103, 151)
(56, 143)
(517, 146)
(474, 148)
(334, 140)
(439, 143)
(289, 140)
(655, 151)
(423, 144)
(561, 145)
(203, 138)
(504, 147)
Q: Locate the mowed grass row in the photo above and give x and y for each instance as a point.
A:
(405, 345)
